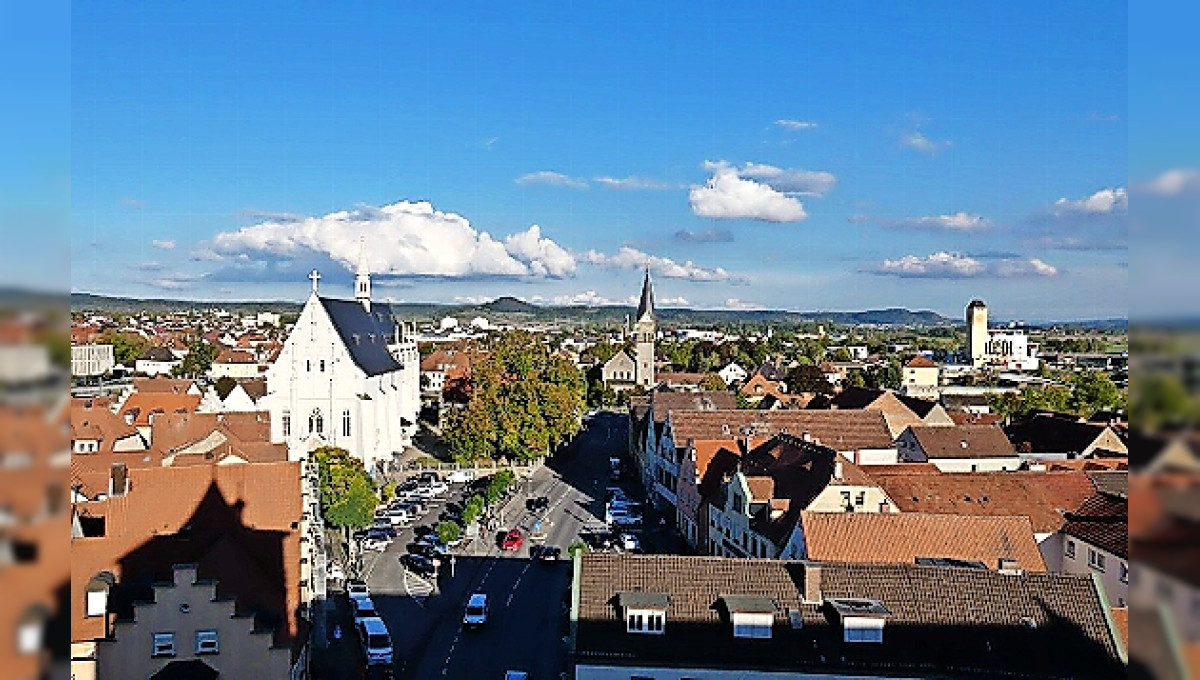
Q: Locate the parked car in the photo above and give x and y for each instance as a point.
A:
(545, 553)
(460, 476)
(433, 541)
(630, 543)
(512, 540)
(476, 612)
(375, 544)
(418, 564)
(406, 487)
(425, 550)
(362, 607)
(428, 476)
(355, 587)
(383, 531)
(375, 640)
(516, 675)
(400, 516)
(334, 571)
(437, 488)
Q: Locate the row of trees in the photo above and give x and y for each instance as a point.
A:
(1084, 394)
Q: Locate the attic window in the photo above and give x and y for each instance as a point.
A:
(645, 613)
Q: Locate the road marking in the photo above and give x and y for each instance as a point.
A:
(513, 592)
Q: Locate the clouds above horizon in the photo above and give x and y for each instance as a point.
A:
(628, 257)
(705, 236)
(1098, 221)
(793, 124)
(948, 265)
(551, 178)
(164, 244)
(757, 191)
(959, 221)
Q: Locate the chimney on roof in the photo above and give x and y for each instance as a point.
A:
(812, 584)
(806, 436)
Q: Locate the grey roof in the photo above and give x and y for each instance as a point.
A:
(365, 334)
(640, 600)
(646, 306)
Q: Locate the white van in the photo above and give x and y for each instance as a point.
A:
(376, 641)
(476, 614)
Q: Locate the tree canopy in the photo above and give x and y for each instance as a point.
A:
(347, 493)
(524, 401)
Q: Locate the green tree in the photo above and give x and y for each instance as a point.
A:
(1156, 399)
(348, 497)
(524, 401)
(199, 359)
(577, 547)
(1094, 391)
(126, 347)
(808, 378)
(855, 378)
(713, 383)
(472, 509)
(447, 531)
(388, 491)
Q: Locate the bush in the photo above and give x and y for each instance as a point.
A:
(448, 531)
(387, 491)
(577, 548)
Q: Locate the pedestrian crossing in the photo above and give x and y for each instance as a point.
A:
(417, 588)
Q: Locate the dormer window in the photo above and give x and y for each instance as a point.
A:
(862, 619)
(645, 613)
(752, 616)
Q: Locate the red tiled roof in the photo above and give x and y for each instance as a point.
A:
(900, 538)
(920, 362)
(141, 405)
(1045, 497)
(963, 441)
(839, 430)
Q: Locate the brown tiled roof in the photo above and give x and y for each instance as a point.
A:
(985, 624)
(963, 441)
(1051, 433)
(173, 385)
(1112, 482)
(761, 488)
(1103, 521)
(840, 430)
(235, 356)
(967, 418)
(92, 419)
(920, 361)
(200, 438)
(680, 378)
(141, 405)
(901, 538)
(1045, 497)
(256, 388)
(241, 529)
(664, 402)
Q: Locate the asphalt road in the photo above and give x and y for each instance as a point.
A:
(528, 601)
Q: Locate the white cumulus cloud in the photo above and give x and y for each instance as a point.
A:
(947, 265)
(403, 239)
(744, 305)
(1103, 202)
(628, 257)
(588, 298)
(919, 142)
(672, 302)
(552, 178)
(729, 195)
(164, 244)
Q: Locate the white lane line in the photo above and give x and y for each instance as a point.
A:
(513, 592)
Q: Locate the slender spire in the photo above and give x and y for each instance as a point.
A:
(646, 306)
(362, 279)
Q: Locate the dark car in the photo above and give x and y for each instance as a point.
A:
(545, 553)
(418, 564)
(406, 487)
(381, 532)
(537, 504)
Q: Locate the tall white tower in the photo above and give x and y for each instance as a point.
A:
(362, 278)
(977, 333)
(643, 330)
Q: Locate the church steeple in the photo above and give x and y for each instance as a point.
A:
(646, 306)
(362, 278)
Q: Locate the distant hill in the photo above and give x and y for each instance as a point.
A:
(509, 305)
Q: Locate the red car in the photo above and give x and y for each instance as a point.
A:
(512, 540)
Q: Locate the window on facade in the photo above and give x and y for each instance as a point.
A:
(316, 423)
(321, 366)
(164, 644)
(346, 423)
(96, 596)
(287, 423)
(1071, 549)
(308, 365)
(861, 498)
(646, 622)
(863, 634)
(1095, 560)
(1124, 573)
(206, 642)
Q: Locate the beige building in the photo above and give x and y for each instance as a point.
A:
(921, 378)
(977, 333)
(186, 628)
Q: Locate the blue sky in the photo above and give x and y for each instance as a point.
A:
(852, 156)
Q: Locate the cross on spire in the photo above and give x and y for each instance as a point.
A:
(315, 277)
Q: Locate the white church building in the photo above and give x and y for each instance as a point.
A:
(348, 376)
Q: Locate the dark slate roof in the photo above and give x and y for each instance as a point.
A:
(986, 624)
(1102, 521)
(1051, 433)
(365, 334)
(646, 305)
(1111, 482)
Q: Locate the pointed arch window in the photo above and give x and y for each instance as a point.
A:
(346, 423)
(316, 422)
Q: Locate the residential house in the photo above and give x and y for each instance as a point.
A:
(962, 448)
(759, 387)
(620, 372)
(1164, 534)
(921, 378)
(244, 396)
(141, 408)
(235, 363)
(91, 360)
(1056, 433)
(1095, 540)
(167, 385)
(680, 381)
(156, 361)
(659, 473)
(664, 617)
(733, 374)
(899, 410)
(239, 526)
(989, 542)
